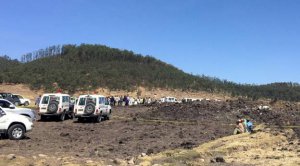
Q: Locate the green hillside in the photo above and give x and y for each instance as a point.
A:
(87, 67)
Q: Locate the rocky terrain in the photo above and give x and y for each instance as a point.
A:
(150, 130)
(224, 113)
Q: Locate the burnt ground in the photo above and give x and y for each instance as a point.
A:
(146, 129)
(283, 115)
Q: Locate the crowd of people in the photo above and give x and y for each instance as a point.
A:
(119, 100)
(127, 101)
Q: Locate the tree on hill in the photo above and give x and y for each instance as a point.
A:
(87, 67)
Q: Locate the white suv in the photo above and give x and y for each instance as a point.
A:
(92, 106)
(55, 104)
(23, 101)
(10, 107)
(13, 125)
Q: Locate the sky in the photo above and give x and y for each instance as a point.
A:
(253, 42)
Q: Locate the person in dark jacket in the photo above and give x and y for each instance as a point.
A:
(112, 101)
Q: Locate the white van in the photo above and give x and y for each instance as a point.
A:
(55, 104)
(168, 100)
(93, 107)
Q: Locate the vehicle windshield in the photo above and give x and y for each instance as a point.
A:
(20, 97)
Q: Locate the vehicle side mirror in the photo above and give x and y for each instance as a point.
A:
(12, 106)
(2, 113)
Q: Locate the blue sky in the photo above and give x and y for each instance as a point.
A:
(244, 41)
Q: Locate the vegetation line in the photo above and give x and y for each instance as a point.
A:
(73, 68)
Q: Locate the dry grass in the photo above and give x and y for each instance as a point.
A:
(258, 149)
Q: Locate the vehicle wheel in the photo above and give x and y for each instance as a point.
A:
(52, 106)
(62, 116)
(26, 103)
(107, 117)
(89, 108)
(98, 119)
(16, 132)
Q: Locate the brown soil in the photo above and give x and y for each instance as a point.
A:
(151, 129)
(225, 113)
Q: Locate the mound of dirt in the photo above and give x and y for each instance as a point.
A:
(226, 113)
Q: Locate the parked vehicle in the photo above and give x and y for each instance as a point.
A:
(55, 104)
(187, 100)
(8, 96)
(168, 100)
(93, 107)
(13, 125)
(10, 107)
(23, 101)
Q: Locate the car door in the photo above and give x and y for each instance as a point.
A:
(3, 120)
(102, 106)
(80, 105)
(6, 106)
(44, 101)
(65, 103)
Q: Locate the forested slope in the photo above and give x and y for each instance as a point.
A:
(87, 67)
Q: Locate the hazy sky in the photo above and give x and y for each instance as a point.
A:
(245, 41)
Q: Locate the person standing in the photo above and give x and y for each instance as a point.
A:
(121, 101)
(37, 100)
(126, 100)
(112, 101)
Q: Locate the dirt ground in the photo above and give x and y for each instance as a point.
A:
(150, 129)
(121, 137)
